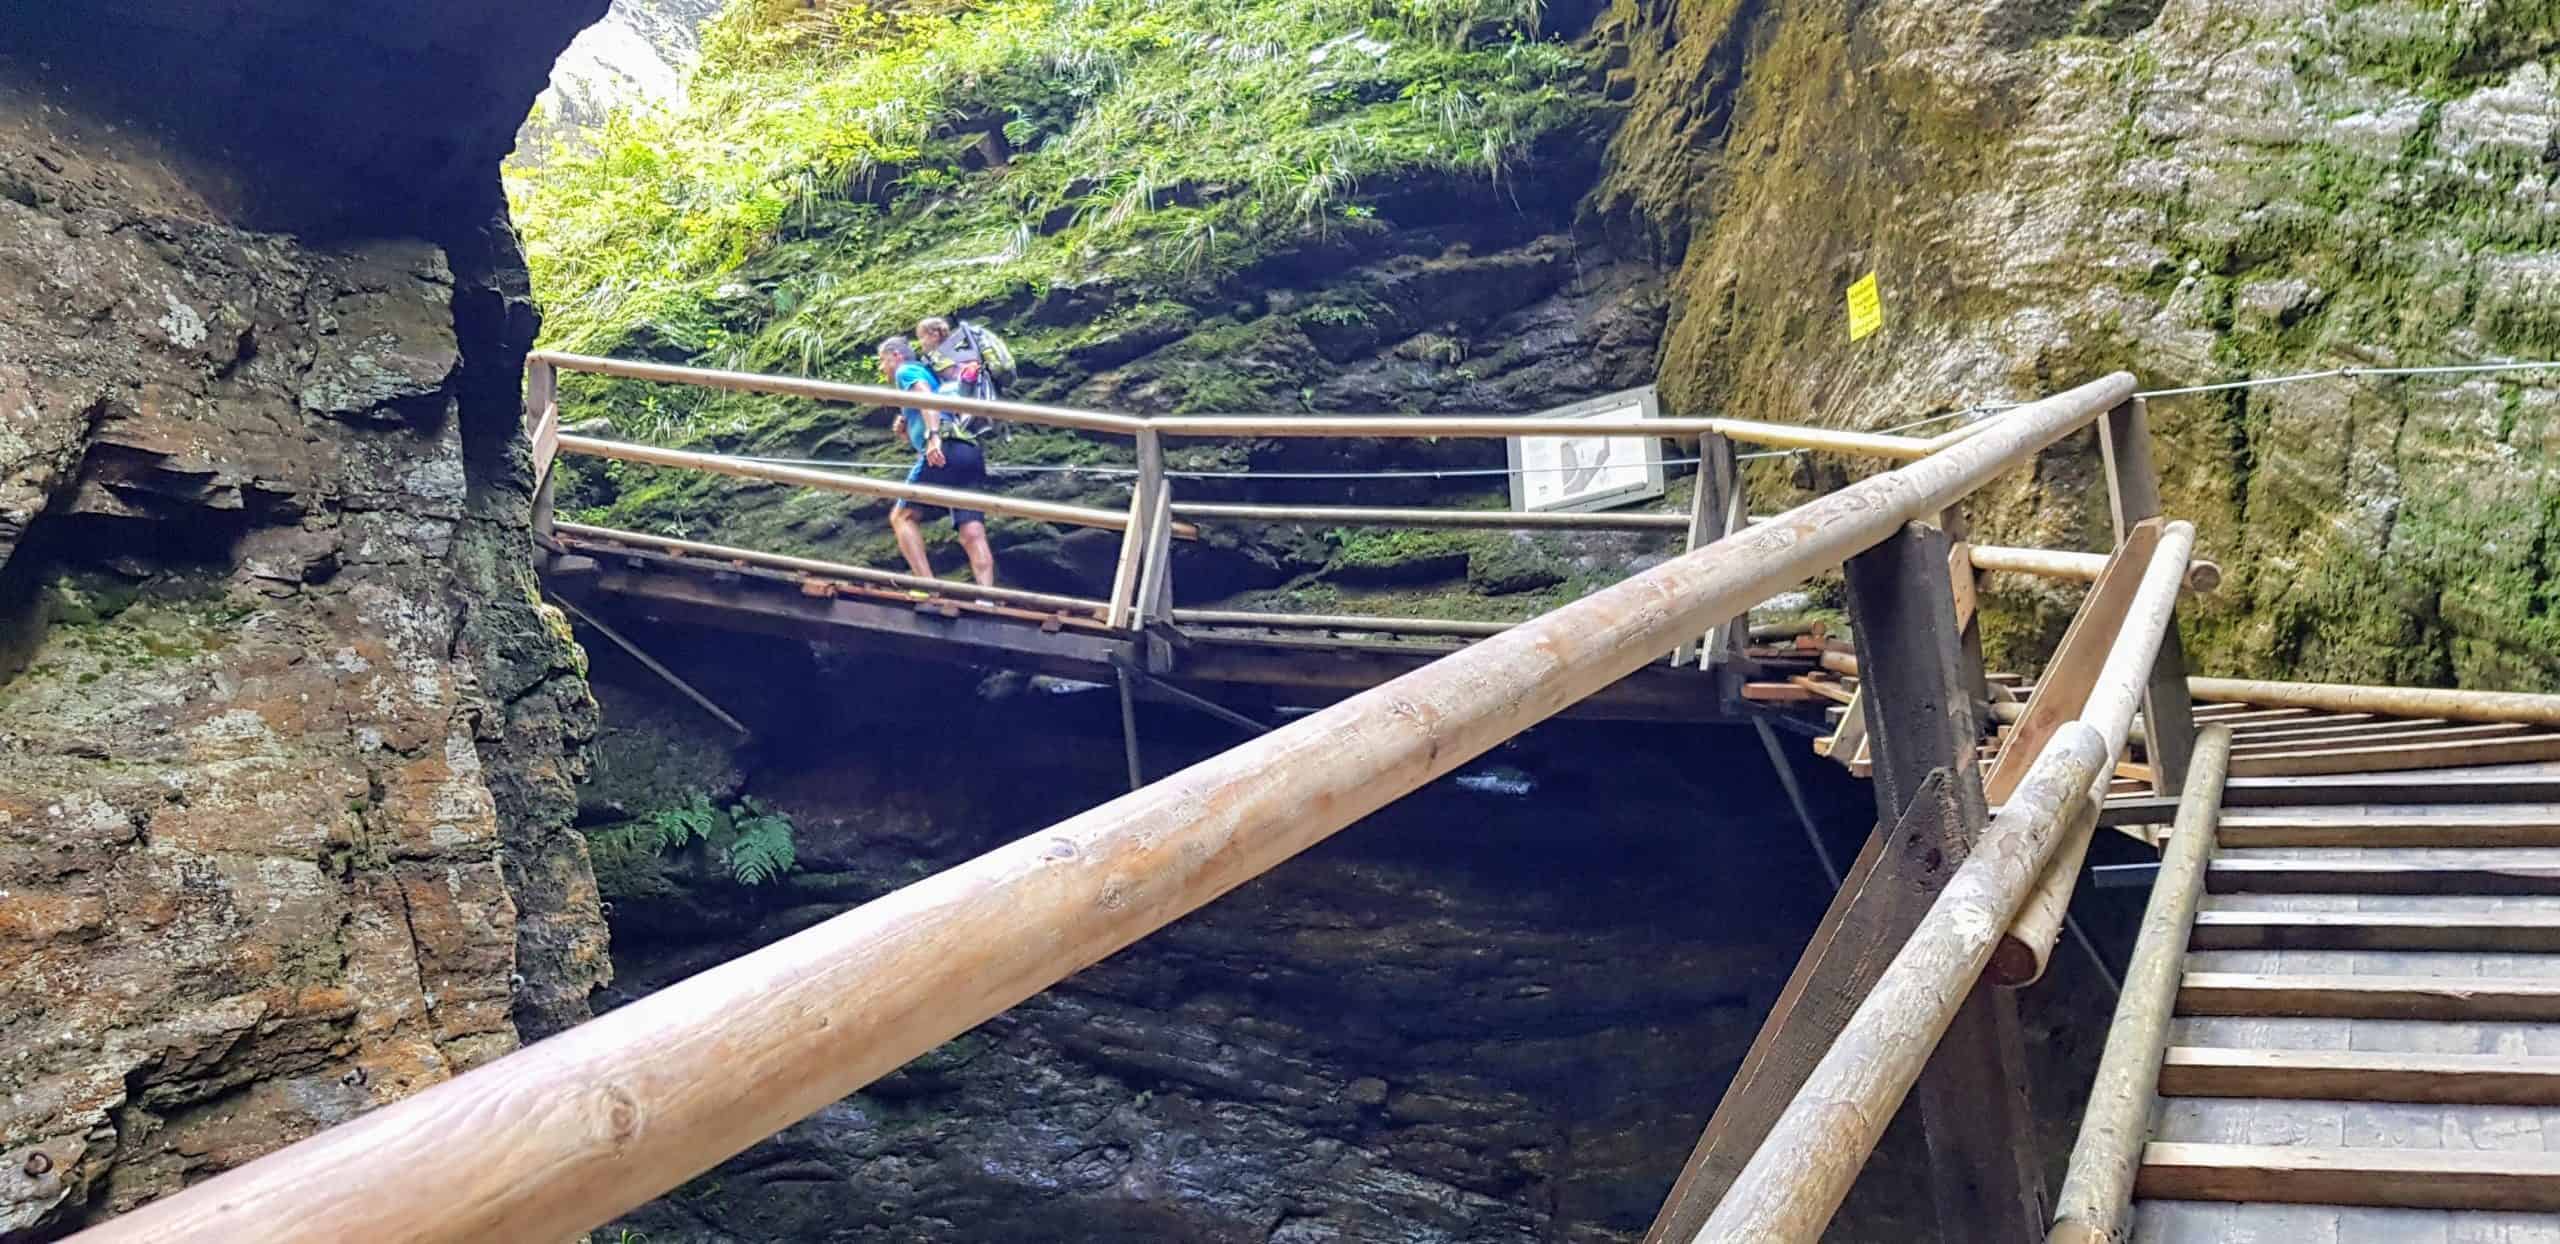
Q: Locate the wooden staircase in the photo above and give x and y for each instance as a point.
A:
(2366, 1032)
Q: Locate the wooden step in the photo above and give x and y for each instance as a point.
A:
(2274, 996)
(2436, 733)
(2335, 830)
(2519, 932)
(2388, 788)
(2396, 757)
(2485, 1179)
(2357, 1075)
(2229, 875)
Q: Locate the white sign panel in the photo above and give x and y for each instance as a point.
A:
(1589, 472)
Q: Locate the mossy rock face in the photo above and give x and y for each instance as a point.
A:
(2195, 193)
(1401, 555)
(1502, 566)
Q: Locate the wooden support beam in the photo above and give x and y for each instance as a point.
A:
(2126, 678)
(2464, 1179)
(2525, 1000)
(1925, 717)
(1792, 1186)
(542, 437)
(2362, 1075)
(653, 665)
(2073, 669)
(2341, 725)
(2133, 489)
(1418, 516)
(1771, 435)
(2270, 830)
(1879, 902)
(602, 542)
(600, 1118)
(2400, 757)
(2531, 932)
(2096, 1202)
(1129, 727)
(831, 391)
(2385, 876)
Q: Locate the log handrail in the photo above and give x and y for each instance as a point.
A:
(2115, 695)
(1795, 1181)
(592, 540)
(571, 1131)
(2097, 1190)
(834, 391)
(1774, 435)
(852, 485)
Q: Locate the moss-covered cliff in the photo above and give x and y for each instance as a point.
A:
(1284, 205)
(2195, 191)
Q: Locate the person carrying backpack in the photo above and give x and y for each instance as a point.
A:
(947, 456)
(971, 361)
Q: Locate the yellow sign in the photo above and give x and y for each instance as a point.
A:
(1866, 312)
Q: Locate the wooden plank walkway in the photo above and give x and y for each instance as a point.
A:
(1292, 667)
(2367, 1041)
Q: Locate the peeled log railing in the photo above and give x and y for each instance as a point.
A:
(1795, 1180)
(567, 1133)
(1140, 590)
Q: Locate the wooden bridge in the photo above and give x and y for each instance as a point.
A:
(2341, 1019)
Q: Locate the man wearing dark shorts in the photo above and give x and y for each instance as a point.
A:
(946, 457)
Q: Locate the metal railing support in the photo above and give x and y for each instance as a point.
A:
(564, 1134)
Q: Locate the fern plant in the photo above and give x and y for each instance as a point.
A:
(748, 838)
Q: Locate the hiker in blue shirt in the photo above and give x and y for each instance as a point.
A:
(947, 456)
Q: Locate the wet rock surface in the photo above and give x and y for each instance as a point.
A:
(286, 742)
(1499, 1010)
(2194, 191)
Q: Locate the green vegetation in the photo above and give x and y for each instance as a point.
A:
(749, 841)
(838, 172)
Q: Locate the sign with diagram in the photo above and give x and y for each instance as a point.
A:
(1592, 472)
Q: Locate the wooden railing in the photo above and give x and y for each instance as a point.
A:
(1141, 585)
(2008, 894)
(567, 1133)
(1140, 591)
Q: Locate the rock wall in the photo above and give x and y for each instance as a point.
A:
(2194, 190)
(286, 739)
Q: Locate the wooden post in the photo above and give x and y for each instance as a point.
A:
(1919, 693)
(2133, 494)
(1134, 549)
(2097, 1193)
(1155, 581)
(569, 1132)
(1712, 512)
(542, 434)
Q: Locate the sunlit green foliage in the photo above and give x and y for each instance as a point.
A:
(837, 172)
